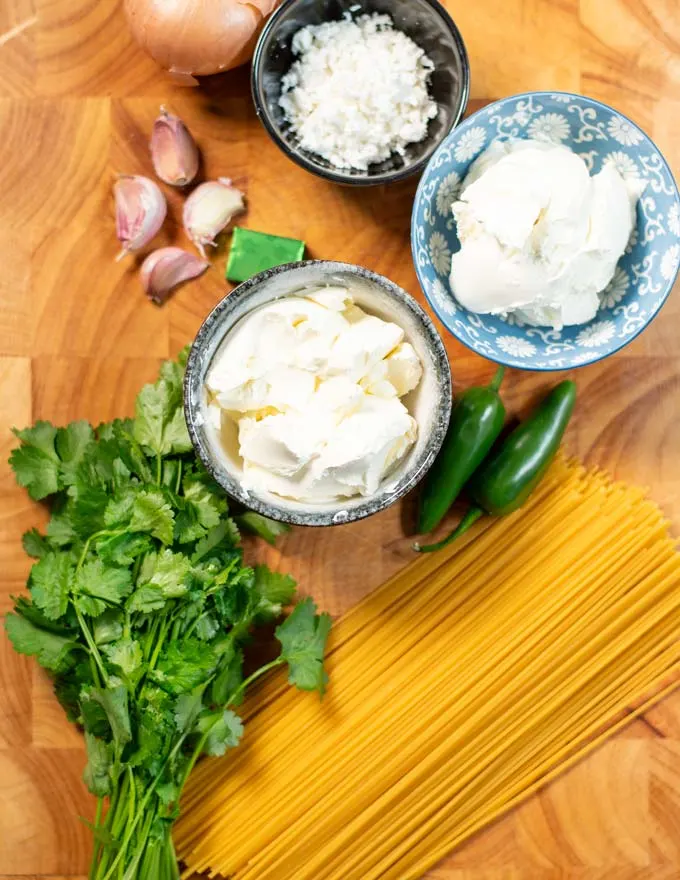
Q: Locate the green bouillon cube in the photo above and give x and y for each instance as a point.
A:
(252, 252)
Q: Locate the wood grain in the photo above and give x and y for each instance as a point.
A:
(78, 338)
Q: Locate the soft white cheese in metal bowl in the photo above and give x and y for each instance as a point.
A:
(317, 393)
(314, 385)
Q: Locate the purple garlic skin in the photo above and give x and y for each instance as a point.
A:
(174, 152)
(167, 267)
(140, 211)
(209, 209)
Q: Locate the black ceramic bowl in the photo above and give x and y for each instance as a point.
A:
(426, 22)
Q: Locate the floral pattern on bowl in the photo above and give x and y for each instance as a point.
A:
(645, 273)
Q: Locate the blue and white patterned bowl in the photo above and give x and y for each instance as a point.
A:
(644, 275)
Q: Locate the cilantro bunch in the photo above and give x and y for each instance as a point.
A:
(140, 607)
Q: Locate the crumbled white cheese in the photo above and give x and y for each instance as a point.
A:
(313, 385)
(358, 91)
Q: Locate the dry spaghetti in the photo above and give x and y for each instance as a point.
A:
(463, 684)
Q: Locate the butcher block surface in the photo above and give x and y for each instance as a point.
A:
(78, 338)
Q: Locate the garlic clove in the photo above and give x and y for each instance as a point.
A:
(209, 209)
(167, 267)
(140, 211)
(173, 150)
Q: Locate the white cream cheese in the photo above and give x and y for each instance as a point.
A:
(539, 236)
(313, 384)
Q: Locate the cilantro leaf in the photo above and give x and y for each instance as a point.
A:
(50, 582)
(29, 610)
(207, 627)
(184, 665)
(172, 372)
(152, 409)
(89, 605)
(35, 471)
(119, 435)
(71, 443)
(118, 510)
(170, 472)
(86, 511)
(34, 544)
(126, 655)
(152, 513)
(51, 650)
(223, 535)
(275, 590)
(182, 358)
(303, 638)
(155, 728)
(162, 576)
(108, 626)
(60, 529)
(225, 730)
(228, 679)
(159, 418)
(265, 528)
(96, 775)
(103, 582)
(209, 506)
(167, 793)
(176, 434)
(114, 702)
(200, 509)
(41, 437)
(187, 709)
(123, 549)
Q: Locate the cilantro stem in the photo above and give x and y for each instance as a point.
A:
(159, 644)
(159, 468)
(91, 645)
(132, 825)
(94, 670)
(98, 825)
(251, 678)
(178, 483)
(151, 637)
(133, 792)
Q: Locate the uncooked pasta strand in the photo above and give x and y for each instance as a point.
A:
(465, 682)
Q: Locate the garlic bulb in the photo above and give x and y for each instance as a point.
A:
(167, 267)
(173, 150)
(209, 208)
(140, 211)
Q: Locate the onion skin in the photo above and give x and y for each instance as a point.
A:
(198, 37)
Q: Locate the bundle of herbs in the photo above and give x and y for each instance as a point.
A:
(140, 608)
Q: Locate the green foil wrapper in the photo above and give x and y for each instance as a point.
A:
(252, 252)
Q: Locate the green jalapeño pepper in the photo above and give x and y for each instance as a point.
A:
(507, 478)
(476, 422)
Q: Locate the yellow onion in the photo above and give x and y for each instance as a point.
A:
(198, 37)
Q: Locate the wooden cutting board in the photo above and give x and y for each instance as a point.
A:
(78, 338)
